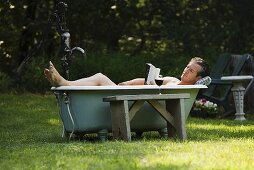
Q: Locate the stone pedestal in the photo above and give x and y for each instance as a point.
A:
(238, 93)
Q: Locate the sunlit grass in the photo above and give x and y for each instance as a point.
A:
(30, 138)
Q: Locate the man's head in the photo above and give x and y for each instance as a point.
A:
(205, 67)
(196, 69)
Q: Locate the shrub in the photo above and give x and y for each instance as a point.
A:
(5, 81)
(32, 78)
(117, 66)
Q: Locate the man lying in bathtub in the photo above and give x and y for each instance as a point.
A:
(195, 70)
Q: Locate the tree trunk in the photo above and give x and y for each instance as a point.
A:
(27, 33)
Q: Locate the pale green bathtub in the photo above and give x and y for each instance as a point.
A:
(83, 112)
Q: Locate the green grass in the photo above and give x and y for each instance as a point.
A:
(30, 138)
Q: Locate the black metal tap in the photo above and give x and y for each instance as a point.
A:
(65, 52)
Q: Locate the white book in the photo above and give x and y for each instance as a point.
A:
(152, 72)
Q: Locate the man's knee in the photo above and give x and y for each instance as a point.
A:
(103, 80)
(100, 75)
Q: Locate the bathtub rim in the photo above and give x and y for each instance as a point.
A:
(133, 87)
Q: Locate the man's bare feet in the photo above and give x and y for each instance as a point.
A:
(54, 77)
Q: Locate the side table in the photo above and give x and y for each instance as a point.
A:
(238, 93)
(174, 113)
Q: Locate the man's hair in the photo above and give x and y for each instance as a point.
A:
(205, 67)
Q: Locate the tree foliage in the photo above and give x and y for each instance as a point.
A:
(130, 27)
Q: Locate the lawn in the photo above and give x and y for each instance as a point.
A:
(30, 131)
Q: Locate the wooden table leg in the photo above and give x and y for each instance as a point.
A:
(120, 120)
(176, 108)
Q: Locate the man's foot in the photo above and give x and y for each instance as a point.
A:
(54, 77)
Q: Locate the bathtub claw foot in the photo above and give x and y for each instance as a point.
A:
(103, 134)
(163, 132)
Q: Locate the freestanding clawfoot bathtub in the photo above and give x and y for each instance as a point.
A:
(83, 111)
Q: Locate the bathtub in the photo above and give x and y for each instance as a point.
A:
(83, 111)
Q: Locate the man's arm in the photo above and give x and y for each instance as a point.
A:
(137, 81)
(141, 81)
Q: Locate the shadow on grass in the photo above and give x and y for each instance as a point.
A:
(197, 130)
(200, 129)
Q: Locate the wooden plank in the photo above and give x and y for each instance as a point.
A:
(147, 97)
(180, 121)
(135, 107)
(120, 120)
(164, 113)
(174, 112)
(176, 107)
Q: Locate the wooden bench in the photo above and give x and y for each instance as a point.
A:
(121, 114)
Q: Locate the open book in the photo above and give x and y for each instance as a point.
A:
(151, 73)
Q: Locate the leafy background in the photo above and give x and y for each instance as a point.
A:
(119, 36)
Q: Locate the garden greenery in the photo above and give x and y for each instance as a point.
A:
(165, 30)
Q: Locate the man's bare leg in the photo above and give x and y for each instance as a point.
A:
(54, 77)
(57, 80)
(98, 79)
